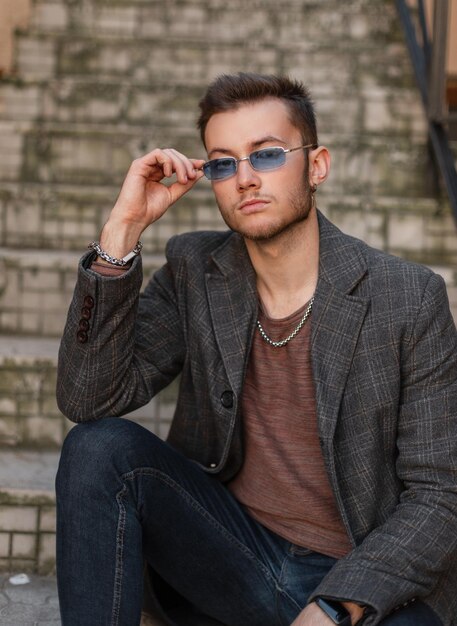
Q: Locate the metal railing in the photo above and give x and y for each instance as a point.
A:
(428, 56)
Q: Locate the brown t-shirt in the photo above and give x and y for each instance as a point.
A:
(283, 482)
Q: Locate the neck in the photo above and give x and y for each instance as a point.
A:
(287, 267)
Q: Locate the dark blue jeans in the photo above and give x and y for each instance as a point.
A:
(124, 496)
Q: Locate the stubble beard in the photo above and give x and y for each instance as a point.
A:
(300, 202)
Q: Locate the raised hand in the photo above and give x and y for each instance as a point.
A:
(144, 197)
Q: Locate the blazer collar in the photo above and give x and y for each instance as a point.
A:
(231, 256)
(232, 295)
(337, 319)
(341, 262)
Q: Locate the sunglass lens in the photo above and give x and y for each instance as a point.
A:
(267, 158)
(219, 168)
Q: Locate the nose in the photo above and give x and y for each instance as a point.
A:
(246, 176)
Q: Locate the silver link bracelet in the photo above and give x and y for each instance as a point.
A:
(111, 259)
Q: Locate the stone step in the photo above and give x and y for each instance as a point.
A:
(64, 217)
(68, 217)
(76, 154)
(216, 21)
(129, 102)
(36, 289)
(364, 49)
(27, 511)
(29, 417)
(36, 285)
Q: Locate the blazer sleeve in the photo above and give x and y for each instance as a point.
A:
(118, 348)
(412, 553)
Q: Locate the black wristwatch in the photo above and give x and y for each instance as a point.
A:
(335, 611)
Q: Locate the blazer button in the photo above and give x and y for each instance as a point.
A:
(89, 302)
(227, 399)
(85, 313)
(84, 325)
(81, 336)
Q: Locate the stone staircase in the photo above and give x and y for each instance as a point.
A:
(95, 85)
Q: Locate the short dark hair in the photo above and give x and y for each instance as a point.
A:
(229, 91)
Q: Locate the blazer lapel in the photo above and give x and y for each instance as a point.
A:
(336, 322)
(232, 296)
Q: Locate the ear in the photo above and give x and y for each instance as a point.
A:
(319, 165)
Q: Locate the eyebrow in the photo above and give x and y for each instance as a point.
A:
(253, 145)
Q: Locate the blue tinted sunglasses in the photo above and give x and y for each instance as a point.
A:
(260, 160)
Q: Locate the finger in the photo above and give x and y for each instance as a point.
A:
(181, 165)
(177, 190)
(167, 163)
(160, 163)
(197, 164)
(154, 165)
(191, 165)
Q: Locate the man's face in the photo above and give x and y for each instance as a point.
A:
(259, 205)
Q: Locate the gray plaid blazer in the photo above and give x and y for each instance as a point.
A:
(384, 355)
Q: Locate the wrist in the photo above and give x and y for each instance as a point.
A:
(356, 611)
(119, 238)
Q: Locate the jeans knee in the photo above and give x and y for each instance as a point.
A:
(92, 449)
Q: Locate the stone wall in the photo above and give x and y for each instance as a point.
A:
(93, 84)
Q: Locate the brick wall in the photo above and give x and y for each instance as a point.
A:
(92, 86)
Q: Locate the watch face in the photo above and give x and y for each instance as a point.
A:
(335, 611)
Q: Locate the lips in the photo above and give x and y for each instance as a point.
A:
(252, 206)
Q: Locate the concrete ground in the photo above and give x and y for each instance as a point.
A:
(31, 604)
(35, 603)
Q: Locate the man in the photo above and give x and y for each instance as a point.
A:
(310, 474)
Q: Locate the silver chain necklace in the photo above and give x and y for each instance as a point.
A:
(283, 342)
